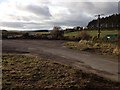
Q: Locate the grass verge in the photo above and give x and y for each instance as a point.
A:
(93, 33)
(99, 48)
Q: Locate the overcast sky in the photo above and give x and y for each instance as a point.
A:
(44, 14)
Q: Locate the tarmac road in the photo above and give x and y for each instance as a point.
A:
(104, 66)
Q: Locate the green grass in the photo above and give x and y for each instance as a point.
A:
(22, 72)
(103, 33)
(93, 33)
(71, 33)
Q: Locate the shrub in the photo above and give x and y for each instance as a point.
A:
(25, 35)
(94, 38)
(83, 35)
(101, 48)
(57, 33)
(71, 45)
(116, 50)
(84, 44)
(107, 48)
(96, 46)
(73, 38)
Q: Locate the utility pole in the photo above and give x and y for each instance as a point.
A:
(99, 25)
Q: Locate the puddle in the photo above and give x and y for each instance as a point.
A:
(15, 51)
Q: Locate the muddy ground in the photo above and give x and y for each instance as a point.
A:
(27, 72)
(104, 66)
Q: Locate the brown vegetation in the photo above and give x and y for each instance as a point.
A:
(102, 48)
(22, 72)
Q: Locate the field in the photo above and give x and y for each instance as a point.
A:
(40, 33)
(26, 72)
(93, 33)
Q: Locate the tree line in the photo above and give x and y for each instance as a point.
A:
(106, 23)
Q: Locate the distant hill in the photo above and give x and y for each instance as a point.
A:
(25, 30)
(110, 22)
(40, 31)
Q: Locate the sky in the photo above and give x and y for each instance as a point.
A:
(45, 14)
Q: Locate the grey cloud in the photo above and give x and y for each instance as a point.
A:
(93, 7)
(39, 10)
(71, 21)
(119, 7)
(21, 25)
(79, 15)
(105, 8)
(80, 12)
(80, 6)
(12, 24)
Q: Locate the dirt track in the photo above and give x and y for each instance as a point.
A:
(54, 50)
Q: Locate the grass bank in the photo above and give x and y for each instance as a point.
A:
(99, 47)
(93, 33)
